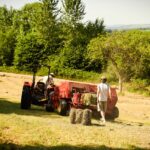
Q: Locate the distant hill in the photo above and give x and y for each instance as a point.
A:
(129, 27)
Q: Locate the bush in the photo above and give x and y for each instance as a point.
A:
(69, 73)
(141, 86)
(12, 69)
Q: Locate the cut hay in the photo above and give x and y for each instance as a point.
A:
(88, 99)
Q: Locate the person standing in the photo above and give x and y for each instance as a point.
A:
(103, 92)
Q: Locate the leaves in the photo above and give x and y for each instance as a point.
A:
(126, 51)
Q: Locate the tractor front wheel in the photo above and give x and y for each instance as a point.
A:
(62, 108)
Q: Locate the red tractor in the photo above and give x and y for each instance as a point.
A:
(64, 95)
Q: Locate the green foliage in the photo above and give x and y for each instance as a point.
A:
(140, 86)
(47, 25)
(127, 51)
(7, 46)
(29, 53)
(73, 11)
(76, 36)
(74, 74)
(7, 36)
(65, 39)
(94, 29)
(13, 69)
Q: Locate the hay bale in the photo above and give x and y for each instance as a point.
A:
(94, 99)
(79, 114)
(88, 99)
(87, 115)
(72, 116)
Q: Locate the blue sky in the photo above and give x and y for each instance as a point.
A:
(114, 12)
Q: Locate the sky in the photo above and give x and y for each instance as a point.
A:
(113, 12)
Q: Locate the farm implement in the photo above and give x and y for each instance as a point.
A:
(64, 95)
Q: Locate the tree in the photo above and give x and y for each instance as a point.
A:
(125, 50)
(26, 18)
(29, 53)
(72, 37)
(37, 38)
(76, 36)
(73, 11)
(93, 29)
(47, 25)
(7, 36)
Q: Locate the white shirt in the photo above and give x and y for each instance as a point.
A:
(102, 91)
(45, 80)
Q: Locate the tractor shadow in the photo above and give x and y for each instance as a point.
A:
(12, 146)
(8, 107)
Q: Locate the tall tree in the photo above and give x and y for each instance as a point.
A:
(127, 51)
(29, 53)
(26, 18)
(7, 36)
(73, 11)
(93, 29)
(37, 38)
(47, 25)
(72, 37)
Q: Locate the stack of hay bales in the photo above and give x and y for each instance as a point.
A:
(88, 99)
(78, 116)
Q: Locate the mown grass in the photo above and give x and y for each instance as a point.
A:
(36, 129)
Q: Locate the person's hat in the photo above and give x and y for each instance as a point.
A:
(52, 74)
(103, 77)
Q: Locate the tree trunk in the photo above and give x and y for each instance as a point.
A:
(118, 74)
(120, 84)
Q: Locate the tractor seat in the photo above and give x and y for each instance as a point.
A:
(41, 87)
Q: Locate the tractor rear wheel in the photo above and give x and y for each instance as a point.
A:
(115, 113)
(26, 98)
(62, 108)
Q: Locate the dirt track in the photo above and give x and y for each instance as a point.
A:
(134, 109)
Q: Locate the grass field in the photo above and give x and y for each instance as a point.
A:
(36, 129)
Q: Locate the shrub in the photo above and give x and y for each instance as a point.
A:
(141, 86)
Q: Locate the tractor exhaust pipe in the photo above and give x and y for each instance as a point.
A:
(33, 80)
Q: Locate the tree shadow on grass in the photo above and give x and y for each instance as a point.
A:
(8, 107)
(11, 146)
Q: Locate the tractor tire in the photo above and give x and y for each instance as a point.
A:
(49, 108)
(49, 105)
(62, 108)
(26, 98)
(115, 113)
(72, 115)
